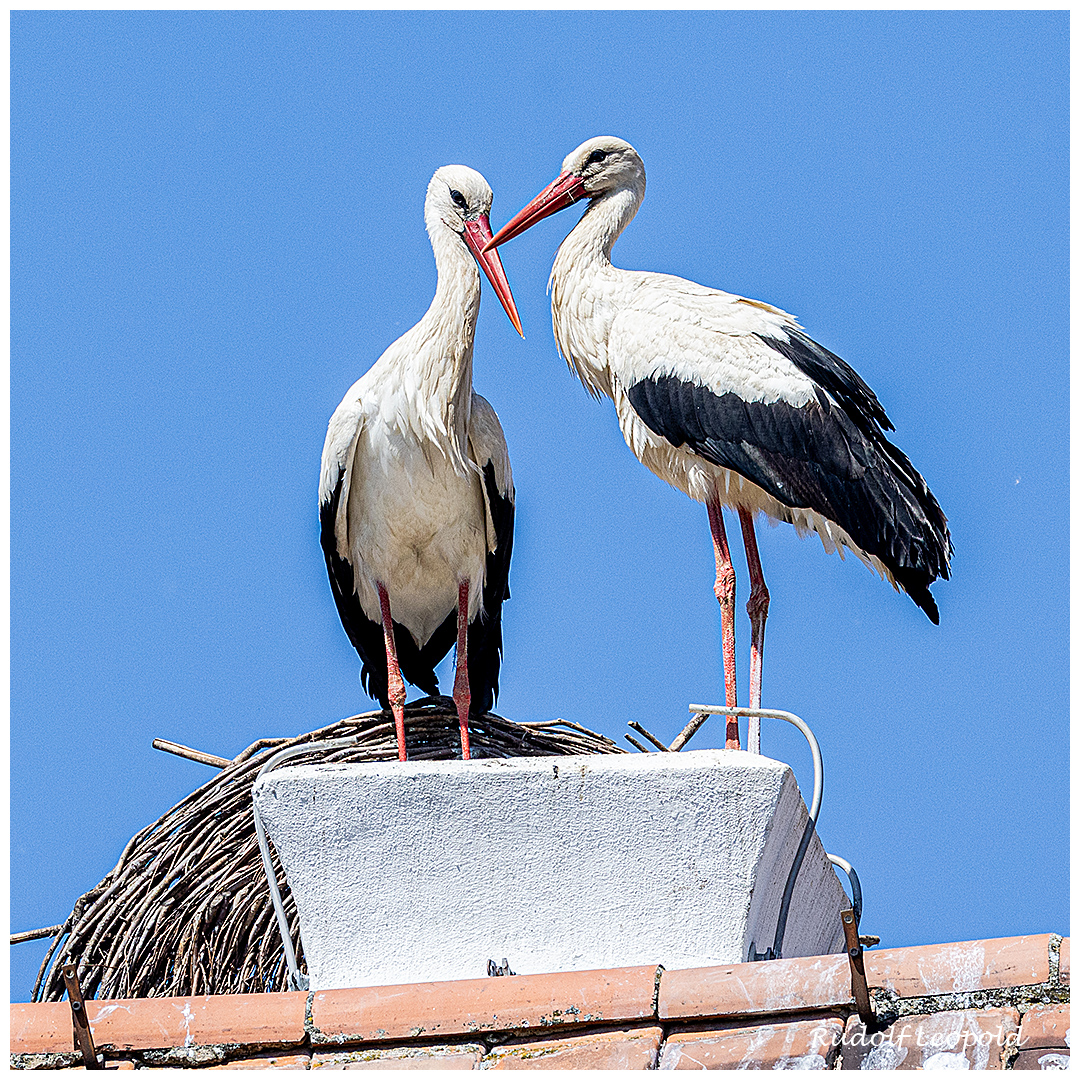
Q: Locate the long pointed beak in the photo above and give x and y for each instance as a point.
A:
(478, 240)
(563, 191)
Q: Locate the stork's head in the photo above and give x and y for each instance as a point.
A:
(459, 198)
(456, 194)
(594, 169)
(603, 164)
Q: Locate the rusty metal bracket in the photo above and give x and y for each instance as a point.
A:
(860, 991)
(84, 1040)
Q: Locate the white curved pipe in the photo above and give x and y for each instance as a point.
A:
(297, 981)
(791, 718)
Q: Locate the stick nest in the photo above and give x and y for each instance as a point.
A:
(187, 911)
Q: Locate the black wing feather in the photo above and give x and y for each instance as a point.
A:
(417, 666)
(485, 631)
(817, 456)
(835, 375)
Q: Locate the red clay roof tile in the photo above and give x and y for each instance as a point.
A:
(631, 1048)
(961, 966)
(402, 1057)
(963, 1039)
(812, 982)
(272, 1060)
(368, 1014)
(1041, 1059)
(159, 1023)
(41, 1028)
(1044, 1027)
(800, 1044)
(532, 1005)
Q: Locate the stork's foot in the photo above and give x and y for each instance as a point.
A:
(397, 708)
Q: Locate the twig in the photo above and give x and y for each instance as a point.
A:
(648, 735)
(48, 956)
(687, 732)
(191, 755)
(33, 935)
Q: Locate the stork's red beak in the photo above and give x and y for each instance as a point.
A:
(563, 191)
(477, 238)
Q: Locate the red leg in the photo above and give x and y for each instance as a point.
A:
(725, 594)
(757, 607)
(462, 696)
(395, 684)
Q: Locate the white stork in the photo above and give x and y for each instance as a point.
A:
(416, 498)
(729, 401)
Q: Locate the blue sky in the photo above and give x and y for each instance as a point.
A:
(217, 227)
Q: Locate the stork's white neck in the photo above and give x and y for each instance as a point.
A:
(581, 316)
(591, 240)
(458, 288)
(449, 324)
(433, 361)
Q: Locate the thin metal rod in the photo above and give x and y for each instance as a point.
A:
(789, 889)
(702, 713)
(297, 981)
(192, 755)
(814, 810)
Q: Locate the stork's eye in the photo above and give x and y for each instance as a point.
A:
(595, 157)
(459, 199)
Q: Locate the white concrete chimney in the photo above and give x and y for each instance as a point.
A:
(425, 871)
